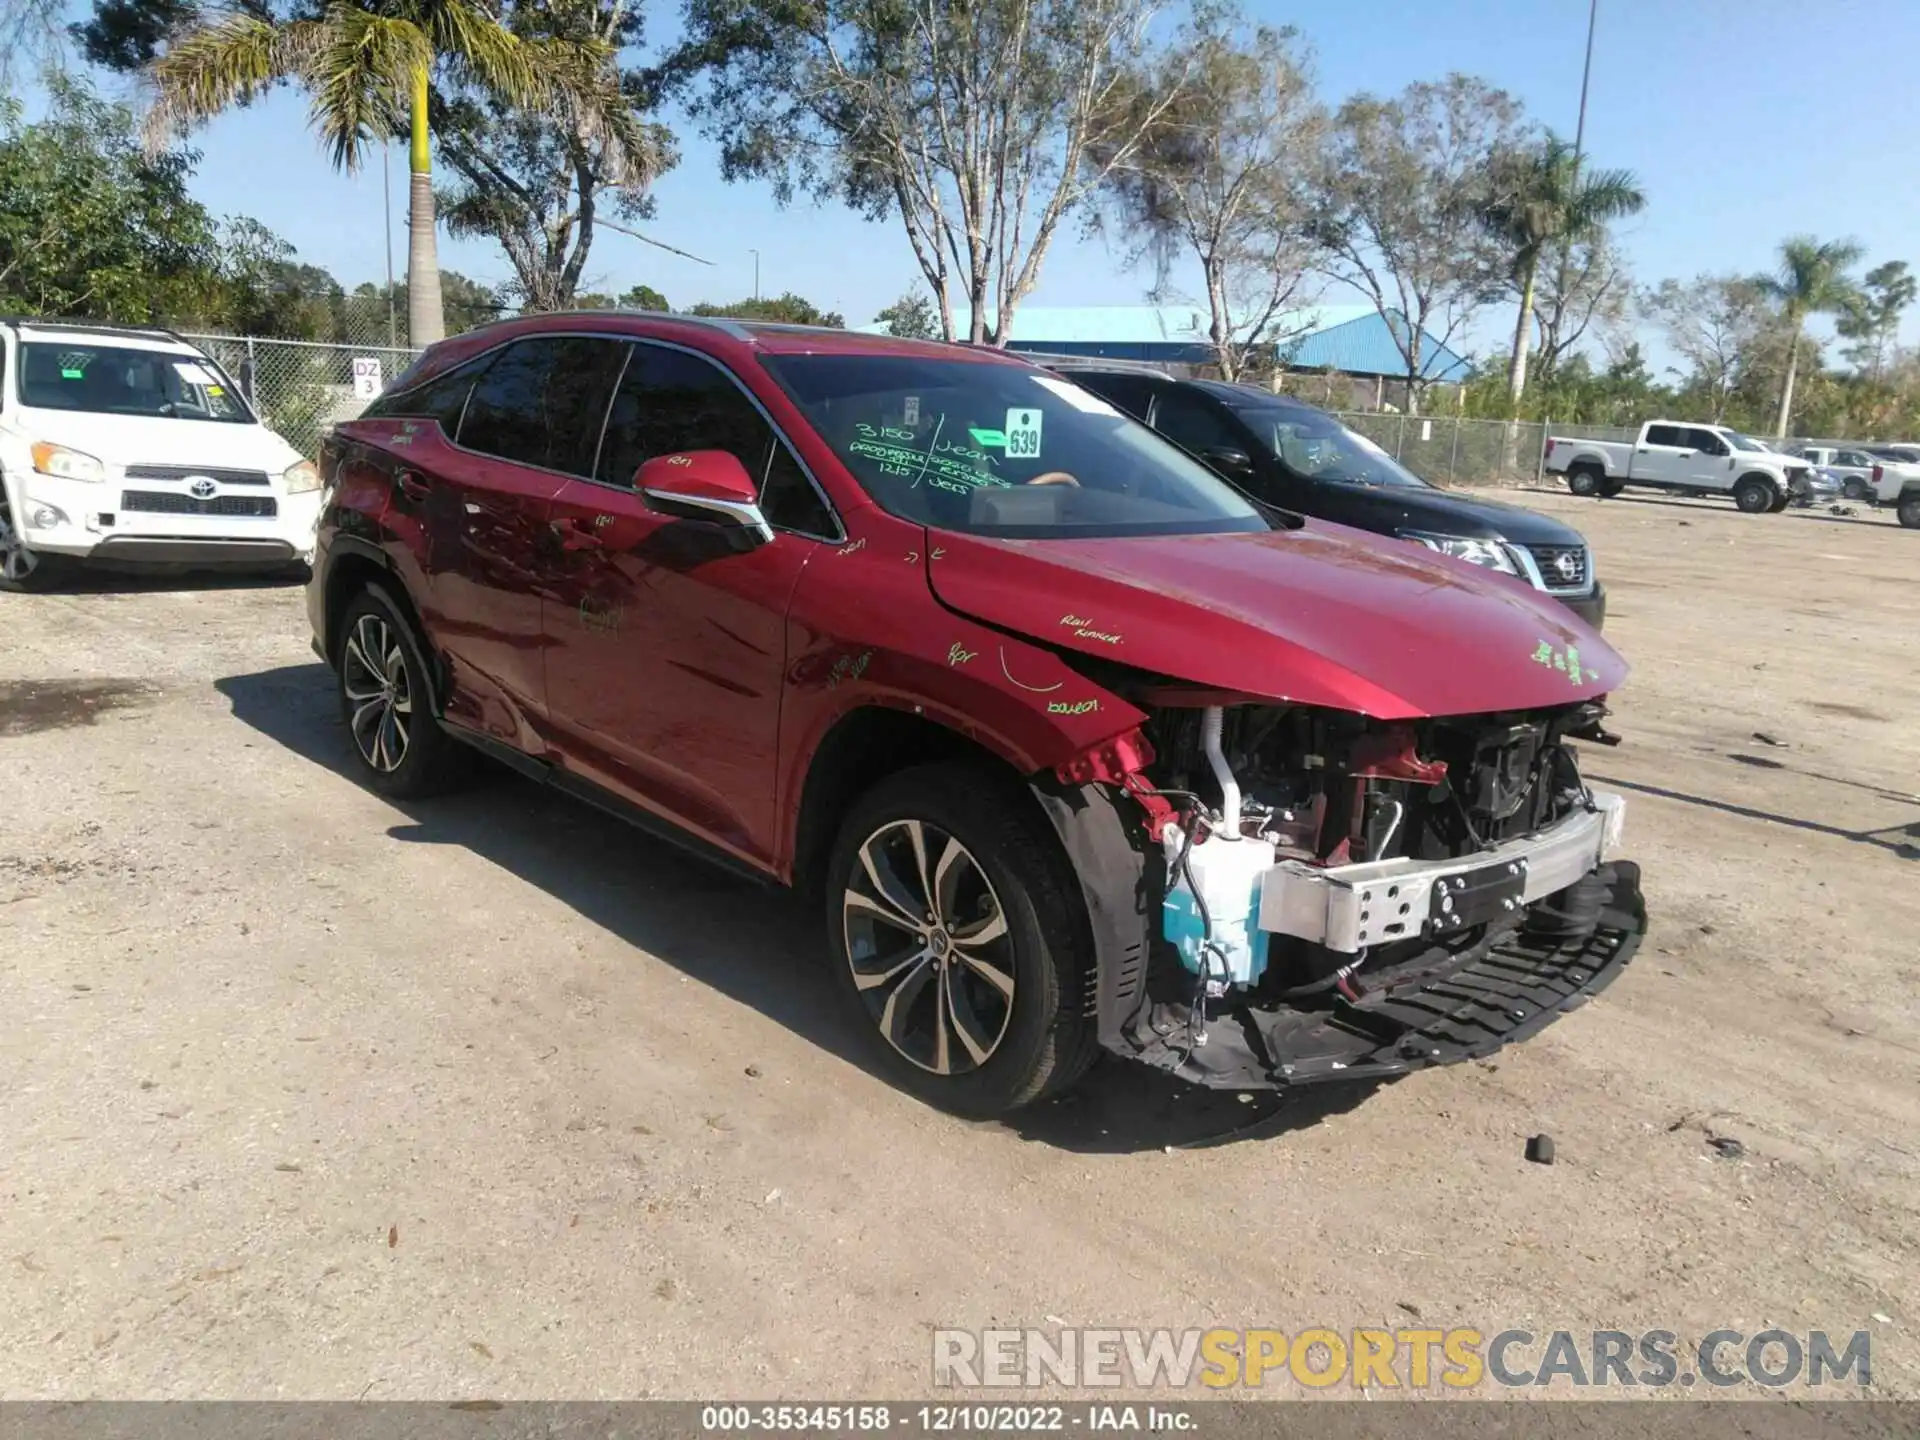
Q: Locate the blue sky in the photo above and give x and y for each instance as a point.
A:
(1746, 121)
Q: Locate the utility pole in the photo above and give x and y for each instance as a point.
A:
(386, 198)
(1579, 146)
(756, 273)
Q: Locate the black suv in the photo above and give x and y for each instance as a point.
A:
(1291, 455)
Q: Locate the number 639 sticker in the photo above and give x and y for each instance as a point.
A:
(1023, 434)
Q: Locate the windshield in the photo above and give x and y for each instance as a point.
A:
(1744, 442)
(112, 380)
(992, 449)
(1319, 447)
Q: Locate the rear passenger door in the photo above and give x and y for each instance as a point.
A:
(1664, 455)
(530, 418)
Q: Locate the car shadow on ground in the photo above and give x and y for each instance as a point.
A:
(757, 944)
(1858, 512)
(99, 580)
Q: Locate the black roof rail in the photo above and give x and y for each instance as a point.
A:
(1093, 362)
(102, 327)
(723, 323)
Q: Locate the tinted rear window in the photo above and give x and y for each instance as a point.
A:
(543, 401)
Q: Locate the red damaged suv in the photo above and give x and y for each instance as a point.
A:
(1078, 746)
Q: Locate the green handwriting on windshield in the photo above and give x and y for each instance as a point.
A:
(942, 464)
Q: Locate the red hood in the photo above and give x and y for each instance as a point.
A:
(1318, 616)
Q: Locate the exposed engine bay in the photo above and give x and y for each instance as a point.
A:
(1339, 895)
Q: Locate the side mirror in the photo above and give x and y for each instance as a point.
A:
(1226, 458)
(706, 485)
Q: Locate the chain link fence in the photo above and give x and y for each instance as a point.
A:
(1448, 450)
(299, 387)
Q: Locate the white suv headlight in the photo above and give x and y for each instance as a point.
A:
(1490, 553)
(65, 464)
(300, 477)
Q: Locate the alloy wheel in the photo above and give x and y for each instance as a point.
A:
(929, 946)
(17, 562)
(373, 673)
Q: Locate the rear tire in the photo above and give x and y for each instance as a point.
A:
(1855, 490)
(1585, 479)
(959, 940)
(24, 571)
(1754, 495)
(387, 700)
(1908, 512)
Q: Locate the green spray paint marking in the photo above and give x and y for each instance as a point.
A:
(73, 374)
(988, 439)
(1567, 662)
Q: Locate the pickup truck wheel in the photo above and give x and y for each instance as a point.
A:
(1780, 502)
(1908, 513)
(22, 571)
(1854, 489)
(1611, 488)
(1754, 495)
(1586, 479)
(386, 699)
(953, 920)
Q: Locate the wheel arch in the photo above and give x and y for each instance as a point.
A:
(354, 566)
(860, 748)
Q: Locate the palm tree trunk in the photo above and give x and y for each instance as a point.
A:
(1786, 390)
(1522, 333)
(425, 321)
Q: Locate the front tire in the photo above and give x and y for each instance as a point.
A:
(1754, 496)
(24, 571)
(958, 939)
(386, 698)
(1908, 512)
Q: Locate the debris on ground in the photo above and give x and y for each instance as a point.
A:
(1765, 739)
(1726, 1147)
(753, 1072)
(1540, 1149)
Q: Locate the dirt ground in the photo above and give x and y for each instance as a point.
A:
(304, 1094)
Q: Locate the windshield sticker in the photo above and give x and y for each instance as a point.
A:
(912, 417)
(1085, 401)
(989, 439)
(66, 374)
(193, 374)
(943, 466)
(1023, 434)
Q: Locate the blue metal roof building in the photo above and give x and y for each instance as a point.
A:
(1353, 339)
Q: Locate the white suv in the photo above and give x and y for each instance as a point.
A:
(131, 446)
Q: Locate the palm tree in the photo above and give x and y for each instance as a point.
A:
(1539, 199)
(366, 63)
(1812, 280)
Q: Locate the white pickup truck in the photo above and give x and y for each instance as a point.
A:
(1684, 458)
(1895, 483)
